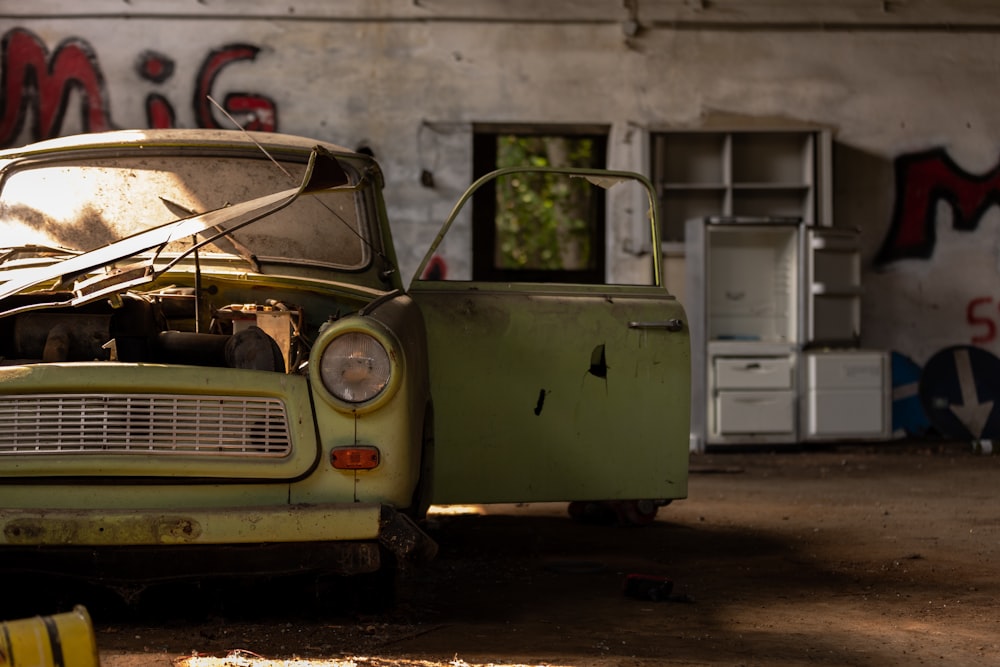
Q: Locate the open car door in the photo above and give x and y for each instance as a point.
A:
(557, 391)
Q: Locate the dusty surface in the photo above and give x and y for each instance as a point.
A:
(848, 556)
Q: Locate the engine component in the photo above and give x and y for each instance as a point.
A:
(253, 349)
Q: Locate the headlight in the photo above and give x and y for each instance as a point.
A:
(355, 367)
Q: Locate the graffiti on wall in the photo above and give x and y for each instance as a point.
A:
(437, 269)
(37, 83)
(956, 387)
(922, 181)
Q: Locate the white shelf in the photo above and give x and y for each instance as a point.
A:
(833, 278)
(772, 172)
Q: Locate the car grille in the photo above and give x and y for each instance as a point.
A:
(147, 424)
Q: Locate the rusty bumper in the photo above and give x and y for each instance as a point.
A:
(130, 545)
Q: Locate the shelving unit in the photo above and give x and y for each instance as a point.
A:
(778, 173)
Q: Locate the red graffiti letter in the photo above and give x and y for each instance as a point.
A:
(976, 320)
(159, 112)
(258, 112)
(924, 179)
(262, 112)
(30, 78)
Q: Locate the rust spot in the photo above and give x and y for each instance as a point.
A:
(83, 529)
(22, 531)
(173, 530)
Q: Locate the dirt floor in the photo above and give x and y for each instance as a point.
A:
(854, 555)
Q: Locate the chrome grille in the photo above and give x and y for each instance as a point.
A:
(156, 424)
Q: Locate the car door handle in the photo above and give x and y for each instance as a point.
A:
(673, 324)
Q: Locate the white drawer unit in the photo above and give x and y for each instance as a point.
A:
(755, 412)
(847, 395)
(847, 369)
(753, 372)
(836, 415)
(774, 305)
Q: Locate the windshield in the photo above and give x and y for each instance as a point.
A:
(86, 203)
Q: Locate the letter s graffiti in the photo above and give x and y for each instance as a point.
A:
(975, 319)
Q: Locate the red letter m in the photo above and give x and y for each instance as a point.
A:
(924, 179)
(30, 79)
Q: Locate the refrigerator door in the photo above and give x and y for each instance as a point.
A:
(832, 272)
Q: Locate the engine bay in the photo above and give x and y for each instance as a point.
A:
(159, 327)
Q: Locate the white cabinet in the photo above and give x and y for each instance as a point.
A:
(755, 413)
(847, 395)
(767, 301)
(752, 395)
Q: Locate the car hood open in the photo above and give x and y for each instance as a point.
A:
(323, 172)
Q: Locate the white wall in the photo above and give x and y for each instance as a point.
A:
(409, 78)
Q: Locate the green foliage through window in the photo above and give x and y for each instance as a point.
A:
(544, 221)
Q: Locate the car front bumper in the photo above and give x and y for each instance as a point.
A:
(339, 539)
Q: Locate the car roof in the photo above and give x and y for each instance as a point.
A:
(166, 137)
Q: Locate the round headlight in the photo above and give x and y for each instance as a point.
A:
(355, 367)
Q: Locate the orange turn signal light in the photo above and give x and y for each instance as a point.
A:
(358, 457)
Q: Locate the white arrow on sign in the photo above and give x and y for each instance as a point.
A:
(970, 412)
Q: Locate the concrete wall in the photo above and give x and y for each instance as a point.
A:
(904, 84)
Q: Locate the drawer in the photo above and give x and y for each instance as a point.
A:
(857, 413)
(846, 370)
(750, 412)
(753, 373)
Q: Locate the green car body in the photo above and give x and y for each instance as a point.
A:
(206, 345)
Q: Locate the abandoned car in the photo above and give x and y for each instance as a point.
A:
(206, 343)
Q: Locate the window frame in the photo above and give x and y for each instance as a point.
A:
(484, 161)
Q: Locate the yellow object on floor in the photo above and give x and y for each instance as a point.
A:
(60, 640)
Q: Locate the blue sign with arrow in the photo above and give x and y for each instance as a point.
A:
(959, 388)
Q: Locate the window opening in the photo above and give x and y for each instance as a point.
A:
(535, 227)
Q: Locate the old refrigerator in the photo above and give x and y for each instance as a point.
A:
(775, 314)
